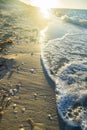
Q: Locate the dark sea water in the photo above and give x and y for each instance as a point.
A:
(64, 54)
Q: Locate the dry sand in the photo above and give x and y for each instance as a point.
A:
(39, 106)
(22, 76)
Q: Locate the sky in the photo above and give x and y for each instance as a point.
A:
(77, 4)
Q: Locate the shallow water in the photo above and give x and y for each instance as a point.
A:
(64, 54)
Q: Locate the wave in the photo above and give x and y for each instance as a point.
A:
(75, 20)
(68, 69)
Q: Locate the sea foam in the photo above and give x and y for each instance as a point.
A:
(75, 20)
(65, 61)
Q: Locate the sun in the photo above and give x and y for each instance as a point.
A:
(45, 6)
(45, 12)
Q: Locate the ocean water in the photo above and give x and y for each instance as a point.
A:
(64, 55)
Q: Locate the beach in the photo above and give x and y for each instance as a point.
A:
(25, 88)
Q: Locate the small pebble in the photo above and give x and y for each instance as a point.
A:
(15, 90)
(15, 112)
(50, 117)
(8, 41)
(22, 63)
(32, 70)
(18, 85)
(35, 95)
(21, 126)
(8, 99)
(1, 113)
(14, 106)
(23, 109)
(11, 92)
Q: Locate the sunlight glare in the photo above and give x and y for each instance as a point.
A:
(45, 12)
(45, 6)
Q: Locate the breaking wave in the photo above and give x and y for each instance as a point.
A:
(75, 20)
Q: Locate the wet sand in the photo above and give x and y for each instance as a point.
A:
(22, 76)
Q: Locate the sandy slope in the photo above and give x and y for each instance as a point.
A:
(34, 97)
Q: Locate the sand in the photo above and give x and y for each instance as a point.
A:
(22, 75)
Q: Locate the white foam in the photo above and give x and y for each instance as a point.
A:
(65, 61)
(75, 20)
